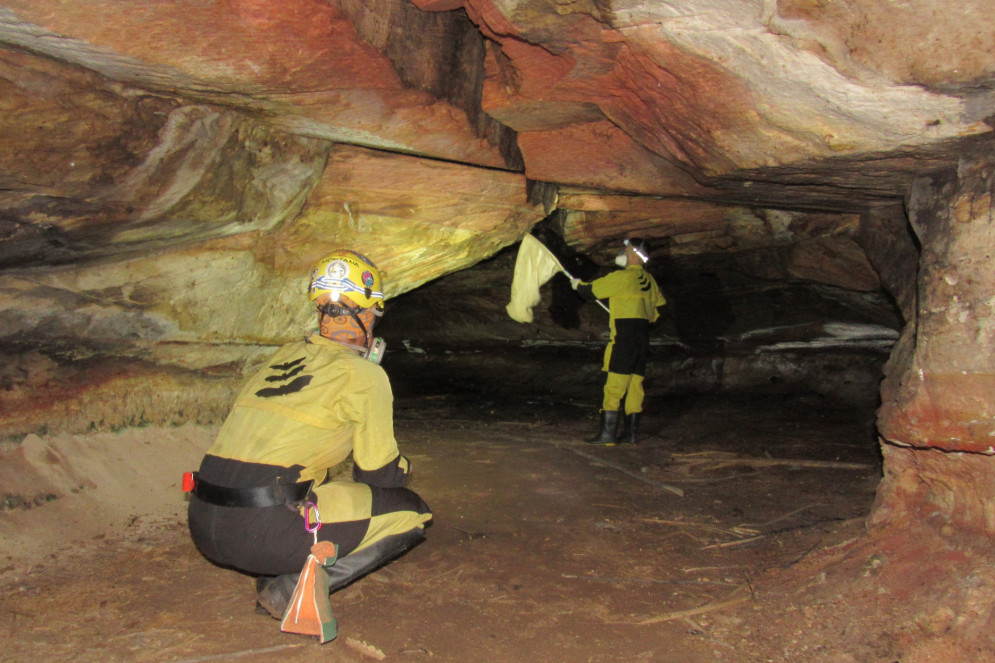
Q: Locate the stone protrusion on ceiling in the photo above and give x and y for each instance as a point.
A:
(711, 87)
(423, 220)
(217, 301)
(441, 53)
(124, 170)
(560, 155)
(300, 64)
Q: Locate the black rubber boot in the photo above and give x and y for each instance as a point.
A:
(357, 564)
(629, 432)
(609, 427)
(273, 593)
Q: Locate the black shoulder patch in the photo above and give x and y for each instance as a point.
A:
(290, 388)
(288, 365)
(284, 376)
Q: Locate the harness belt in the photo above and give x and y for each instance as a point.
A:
(276, 494)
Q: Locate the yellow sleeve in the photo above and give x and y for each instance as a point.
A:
(608, 284)
(370, 405)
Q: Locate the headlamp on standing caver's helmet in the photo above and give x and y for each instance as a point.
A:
(640, 246)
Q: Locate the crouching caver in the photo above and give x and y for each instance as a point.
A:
(315, 402)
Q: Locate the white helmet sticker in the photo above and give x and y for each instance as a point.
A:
(337, 269)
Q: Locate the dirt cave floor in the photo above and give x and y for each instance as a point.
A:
(703, 543)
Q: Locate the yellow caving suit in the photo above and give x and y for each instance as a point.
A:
(314, 403)
(634, 299)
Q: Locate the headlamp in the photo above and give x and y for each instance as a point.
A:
(635, 248)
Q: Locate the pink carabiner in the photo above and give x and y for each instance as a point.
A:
(307, 518)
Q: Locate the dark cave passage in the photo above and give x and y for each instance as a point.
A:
(768, 348)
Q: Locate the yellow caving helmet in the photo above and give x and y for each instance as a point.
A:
(348, 273)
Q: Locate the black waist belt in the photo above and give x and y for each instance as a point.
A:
(262, 496)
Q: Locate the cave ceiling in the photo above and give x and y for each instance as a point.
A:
(163, 157)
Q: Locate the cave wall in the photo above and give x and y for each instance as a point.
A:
(938, 401)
